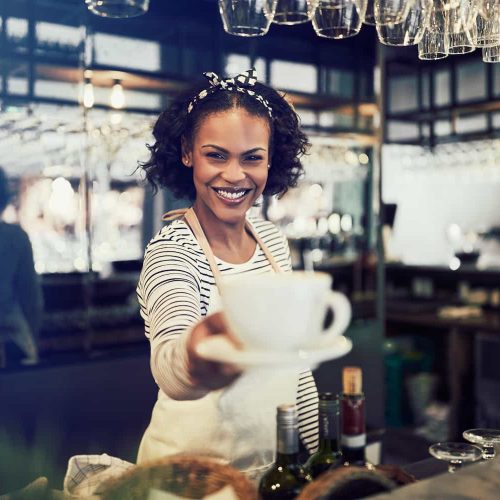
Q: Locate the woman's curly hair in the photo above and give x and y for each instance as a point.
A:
(287, 141)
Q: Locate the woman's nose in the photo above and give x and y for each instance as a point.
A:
(233, 172)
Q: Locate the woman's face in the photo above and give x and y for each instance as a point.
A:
(229, 157)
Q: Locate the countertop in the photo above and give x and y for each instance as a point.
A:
(477, 481)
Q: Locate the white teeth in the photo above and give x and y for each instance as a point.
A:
(230, 195)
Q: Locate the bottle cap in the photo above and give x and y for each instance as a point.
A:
(352, 380)
(287, 415)
(328, 402)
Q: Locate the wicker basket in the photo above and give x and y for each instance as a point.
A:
(396, 474)
(183, 475)
(347, 483)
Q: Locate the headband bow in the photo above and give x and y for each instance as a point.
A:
(246, 79)
(239, 83)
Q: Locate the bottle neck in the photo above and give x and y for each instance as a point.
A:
(328, 430)
(353, 414)
(287, 459)
(328, 445)
(288, 441)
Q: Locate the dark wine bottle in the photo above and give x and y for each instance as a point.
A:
(328, 455)
(286, 477)
(352, 416)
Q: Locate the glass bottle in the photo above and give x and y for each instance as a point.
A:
(352, 415)
(328, 455)
(286, 477)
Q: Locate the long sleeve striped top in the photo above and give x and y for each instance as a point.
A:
(175, 290)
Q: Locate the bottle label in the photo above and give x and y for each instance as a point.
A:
(328, 426)
(358, 441)
(353, 415)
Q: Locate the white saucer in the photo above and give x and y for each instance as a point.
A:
(220, 349)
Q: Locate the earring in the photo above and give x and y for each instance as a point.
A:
(269, 166)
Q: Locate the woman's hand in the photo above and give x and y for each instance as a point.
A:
(210, 374)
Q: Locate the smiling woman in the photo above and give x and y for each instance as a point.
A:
(223, 145)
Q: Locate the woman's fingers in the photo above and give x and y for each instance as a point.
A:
(213, 375)
(210, 374)
(217, 323)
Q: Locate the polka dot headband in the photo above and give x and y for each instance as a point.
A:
(241, 83)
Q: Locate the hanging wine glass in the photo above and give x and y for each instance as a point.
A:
(486, 438)
(488, 8)
(456, 454)
(460, 43)
(459, 38)
(118, 8)
(370, 14)
(339, 18)
(439, 19)
(294, 11)
(447, 18)
(485, 32)
(391, 11)
(433, 46)
(483, 23)
(491, 54)
(247, 17)
(408, 32)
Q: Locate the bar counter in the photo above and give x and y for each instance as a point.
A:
(477, 481)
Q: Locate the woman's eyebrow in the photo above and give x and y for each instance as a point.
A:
(253, 150)
(215, 147)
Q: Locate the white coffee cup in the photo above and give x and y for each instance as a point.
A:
(284, 311)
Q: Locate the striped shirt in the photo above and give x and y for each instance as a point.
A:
(174, 292)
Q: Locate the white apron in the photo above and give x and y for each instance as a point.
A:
(235, 424)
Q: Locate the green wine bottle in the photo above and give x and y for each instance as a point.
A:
(286, 477)
(328, 455)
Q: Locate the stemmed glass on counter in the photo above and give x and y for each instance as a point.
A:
(486, 438)
(456, 454)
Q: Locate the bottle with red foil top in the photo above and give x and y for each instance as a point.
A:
(352, 415)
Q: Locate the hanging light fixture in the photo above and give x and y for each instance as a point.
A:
(88, 90)
(117, 99)
(118, 8)
(88, 94)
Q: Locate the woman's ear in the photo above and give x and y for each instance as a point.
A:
(187, 156)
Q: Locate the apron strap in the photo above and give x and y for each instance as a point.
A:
(265, 249)
(174, 214)
(192, 221)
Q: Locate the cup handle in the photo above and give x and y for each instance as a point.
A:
(341, 308)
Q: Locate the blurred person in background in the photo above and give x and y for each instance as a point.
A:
(20, 291)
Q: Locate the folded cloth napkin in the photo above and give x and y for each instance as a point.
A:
(86, 473)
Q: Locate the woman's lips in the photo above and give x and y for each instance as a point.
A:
(232, 196)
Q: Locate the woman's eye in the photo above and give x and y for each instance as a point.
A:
(253, 158)
(217, 156)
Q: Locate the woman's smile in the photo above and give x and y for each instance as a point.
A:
(232, 195)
